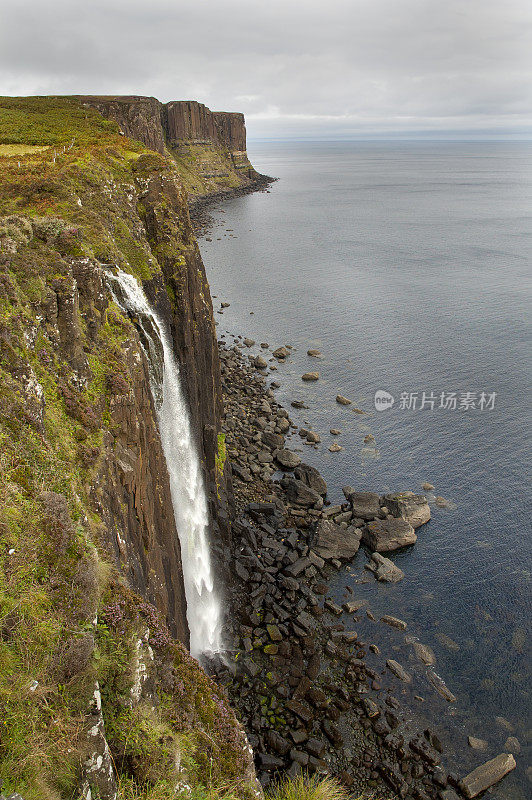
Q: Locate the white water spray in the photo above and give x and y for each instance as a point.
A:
(184, 468)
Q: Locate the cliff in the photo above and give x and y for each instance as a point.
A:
(96, 688)
(208, 147)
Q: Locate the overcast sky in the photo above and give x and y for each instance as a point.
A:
(311, 68)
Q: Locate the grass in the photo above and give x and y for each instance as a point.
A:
(20, 149)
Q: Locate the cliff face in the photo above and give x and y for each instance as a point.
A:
(91, 581)
(208, 147)
(138, 117)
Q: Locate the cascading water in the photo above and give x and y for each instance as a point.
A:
(184, 468)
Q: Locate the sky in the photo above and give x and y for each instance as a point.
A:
(305, 69)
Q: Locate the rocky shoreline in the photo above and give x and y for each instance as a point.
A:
(296, 670)
(199, 206)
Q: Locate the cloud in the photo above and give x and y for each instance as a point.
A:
(343, 66)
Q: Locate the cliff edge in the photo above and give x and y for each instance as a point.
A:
(209, 147)
(99, 695)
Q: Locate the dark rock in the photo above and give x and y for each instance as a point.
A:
(364, 504)
(311, 477)
(412, 507)
(331, 541)
(299, 493)
(487, 775)
(384, 535)
(287, 459)
(384, 569)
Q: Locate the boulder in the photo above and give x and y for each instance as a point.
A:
(299, 493)
(259, 362)
(394, 622)
(365, 505)
(384, 569)
(314, 353)
(384, 535)
(310, 376)
(343, 400)
(311, 477)
(335, 448)
(398, 670)
(281, 353)
(287, 459)
(487, 775)
(331, 541)
(249, 342)
(412, 507)
(273, 440)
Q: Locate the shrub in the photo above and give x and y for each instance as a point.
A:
(308, 788)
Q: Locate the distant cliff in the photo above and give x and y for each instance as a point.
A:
(209, 146)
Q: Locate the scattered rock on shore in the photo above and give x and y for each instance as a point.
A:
(335, 448)
(477, 744)
(281, 353)
(412, 507)
(314, 353)
(384, 535)
(394, 622)
(311, 477)
(344, 401)
(259, 362)
(332, 541)
(399, 671)
(287, 459)
(487, 775)
(384, 569)
(310, 376)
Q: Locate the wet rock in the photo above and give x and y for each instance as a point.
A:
(428, 487)
(298, 404)
(335, 432)
(384, 569)
(487, 775)
(273, 440)
(259, 362)
(512, 745)
(424, 653)
(335, 448)
(394, 622)
(384, 535)
(399, 671)
(311, 477)
(440, 686)
(310, 376)
(343, 401)
(287, 459)
(299, 493)
(249, 342)
(331, 541)
(281, 353)
(353, 606)
(365, 505)
(447, 642)
(314, 353)
(477, 744)
(412, 507)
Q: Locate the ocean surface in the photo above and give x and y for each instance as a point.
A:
(408, 266)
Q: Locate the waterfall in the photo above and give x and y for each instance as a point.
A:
(186, 480)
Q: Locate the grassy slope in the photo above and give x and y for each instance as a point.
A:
(54, 575)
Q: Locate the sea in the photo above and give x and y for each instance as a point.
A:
(408, 266)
